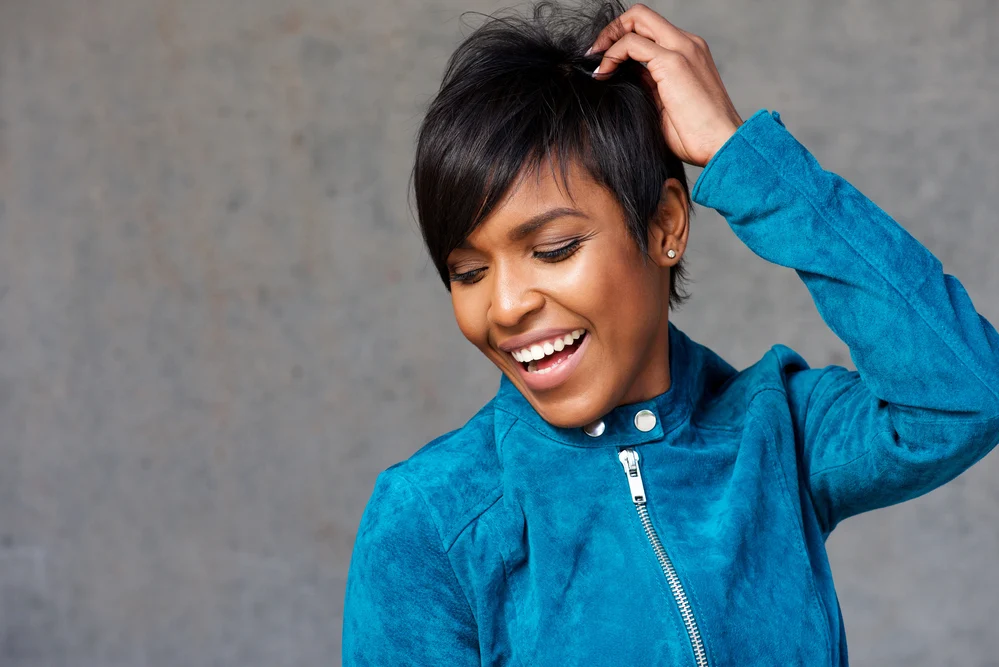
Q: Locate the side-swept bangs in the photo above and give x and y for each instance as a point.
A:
(518, 94)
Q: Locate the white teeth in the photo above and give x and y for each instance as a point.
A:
(533, 368)
(548, 347)
(539, 351)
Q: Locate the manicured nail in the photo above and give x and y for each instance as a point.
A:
(596, 71)
(588, 51)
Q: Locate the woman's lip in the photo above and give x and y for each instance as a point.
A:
(558, 374)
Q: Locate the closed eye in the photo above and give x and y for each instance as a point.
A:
(466, 277)
(552, 256)
(559, 254)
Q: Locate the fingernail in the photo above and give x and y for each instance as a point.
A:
(588, 51)
(596, 71)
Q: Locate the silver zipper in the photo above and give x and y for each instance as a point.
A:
(629, 459)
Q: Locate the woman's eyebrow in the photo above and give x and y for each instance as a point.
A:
(525, 229)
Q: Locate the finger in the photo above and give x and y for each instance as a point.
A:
(637, 48)
(653, 87)
(643, 21)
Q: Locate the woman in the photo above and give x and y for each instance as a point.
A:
(627, 497)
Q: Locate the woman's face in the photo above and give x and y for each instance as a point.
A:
(560, 279)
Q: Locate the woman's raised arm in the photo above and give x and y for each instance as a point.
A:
(923, 404)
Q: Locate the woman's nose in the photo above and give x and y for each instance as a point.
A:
(513, 299)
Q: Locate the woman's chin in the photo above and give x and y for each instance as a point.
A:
(569, 411)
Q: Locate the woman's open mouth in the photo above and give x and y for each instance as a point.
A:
(547, 364)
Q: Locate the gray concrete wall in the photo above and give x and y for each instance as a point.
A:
(217, 323)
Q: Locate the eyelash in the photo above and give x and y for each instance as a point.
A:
(558, 253)
(552, 256)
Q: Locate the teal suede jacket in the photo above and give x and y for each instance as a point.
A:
(694, 535)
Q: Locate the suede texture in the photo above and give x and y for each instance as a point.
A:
(513, 542)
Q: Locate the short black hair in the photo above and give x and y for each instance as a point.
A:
(519, 90)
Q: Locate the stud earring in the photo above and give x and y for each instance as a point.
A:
(671, 253)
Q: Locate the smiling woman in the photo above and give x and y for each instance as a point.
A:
(628, 497)
(555, 257)
(549, 201)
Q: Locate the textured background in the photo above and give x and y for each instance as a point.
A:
(217, 323)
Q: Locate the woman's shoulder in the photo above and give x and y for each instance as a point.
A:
(723, 395)
(453, 478)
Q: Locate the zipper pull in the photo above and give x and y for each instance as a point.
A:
(629, 459)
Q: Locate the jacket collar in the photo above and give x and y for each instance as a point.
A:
(671, 408)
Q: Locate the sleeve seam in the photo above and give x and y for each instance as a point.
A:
(949, 420)
(798, 462)
(779, 469)
(811, 394)
(484, 504)
(444, 552)
(864, 454)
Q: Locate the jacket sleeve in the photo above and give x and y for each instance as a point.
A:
(923, 404)
(403, 604)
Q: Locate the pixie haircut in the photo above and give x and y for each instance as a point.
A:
(518, 93)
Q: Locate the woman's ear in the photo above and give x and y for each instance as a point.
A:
(668, 228)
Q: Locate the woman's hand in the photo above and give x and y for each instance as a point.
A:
(697, 114)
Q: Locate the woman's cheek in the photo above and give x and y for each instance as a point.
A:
(471, 323)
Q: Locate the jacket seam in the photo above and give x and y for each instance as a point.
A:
(502, 439)
(811, 394)
(481, 507)
(829, 417)
(949, 420)
(889, 431)
(812, 473)
(735, 428)
(486, 504)
(808, 485)
(874, 266)
(760, 390)
(445, 552)
(514, 604)
(708, 426)
(778, 468)
(856, 458)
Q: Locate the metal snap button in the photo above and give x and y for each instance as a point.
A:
(645, 420)
(595, 429)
